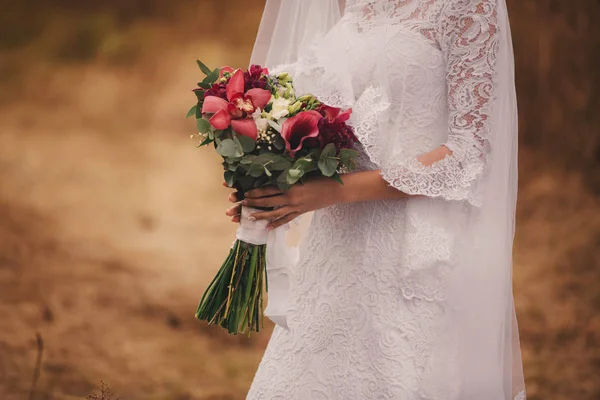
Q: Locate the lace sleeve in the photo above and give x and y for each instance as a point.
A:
(468, 36)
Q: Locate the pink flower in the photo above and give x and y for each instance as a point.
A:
(237, 108)
(300, 127)
(224, 70)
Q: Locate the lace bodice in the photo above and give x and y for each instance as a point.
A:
(419, 74)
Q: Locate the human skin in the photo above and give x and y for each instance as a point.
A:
(319, 193)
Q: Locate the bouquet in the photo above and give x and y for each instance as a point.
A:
(267, 137)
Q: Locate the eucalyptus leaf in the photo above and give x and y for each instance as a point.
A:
(229, 178)
(232, 167)
(203, 67)
(203, 125)
(283, 185)
(294, 175)
(328, 151)
(282, 178)
(267, 172)
(279, 163)
(246, 143)
(228, 148)
(249, 159)
(347, 156)
(256, 170)
(328, 162)
(303, 163)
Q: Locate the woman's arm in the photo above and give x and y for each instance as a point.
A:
(323, 192)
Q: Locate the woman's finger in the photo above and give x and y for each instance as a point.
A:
(273, 201)
(282, 221)
(234, 197)
(267, 191)
(234, 211)
(271, 215)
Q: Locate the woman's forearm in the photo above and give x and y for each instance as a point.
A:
(370, 185)
(366, 186)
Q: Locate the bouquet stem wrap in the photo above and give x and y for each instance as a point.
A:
(234, 298)
(280, 258)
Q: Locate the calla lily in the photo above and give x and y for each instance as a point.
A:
(334, 114)
(300, 127)
(239, 105)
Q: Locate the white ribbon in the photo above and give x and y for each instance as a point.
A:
(279, 258)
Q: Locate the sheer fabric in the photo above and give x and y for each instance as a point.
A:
(406, 299)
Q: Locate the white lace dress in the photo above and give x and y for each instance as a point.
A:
(367, 295)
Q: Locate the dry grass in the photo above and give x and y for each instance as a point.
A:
(112, 223)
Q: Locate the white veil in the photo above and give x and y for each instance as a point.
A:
(483, 344)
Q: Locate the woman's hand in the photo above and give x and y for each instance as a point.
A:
(299, 199)
(313, 195)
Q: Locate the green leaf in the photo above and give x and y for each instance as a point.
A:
(303, 163)
(249, 159)
(294, 175)
(279, 163)
(347, 156)
(199, 95)
(212, 77)
(203, 67)
(203, 125)
(229, 178)
(246, 143)
(278, 142)
(336, 177)
(205, 142)
(328, 162)
(256, 170)
(267, 172)
(192, 111)
(275, 125)
(228, 148)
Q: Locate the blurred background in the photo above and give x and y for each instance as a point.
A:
(111, 221)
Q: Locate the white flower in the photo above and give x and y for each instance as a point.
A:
(262, 124)
(280, 108)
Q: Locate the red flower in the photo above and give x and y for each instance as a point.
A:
(238, 105)
(299, 128)
(333, 128)
(256, 77)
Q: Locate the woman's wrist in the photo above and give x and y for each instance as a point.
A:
(366, 186)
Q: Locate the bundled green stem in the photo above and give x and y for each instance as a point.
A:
(234, 299)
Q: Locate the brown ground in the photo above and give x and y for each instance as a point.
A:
(111, 224)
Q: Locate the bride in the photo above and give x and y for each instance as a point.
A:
(403, 289)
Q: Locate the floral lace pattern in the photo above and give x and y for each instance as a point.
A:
(367, 300)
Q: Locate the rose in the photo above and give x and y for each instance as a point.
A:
(280, 108)
(299, 128)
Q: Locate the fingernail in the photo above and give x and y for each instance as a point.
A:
(251, 218)
(244, 202)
